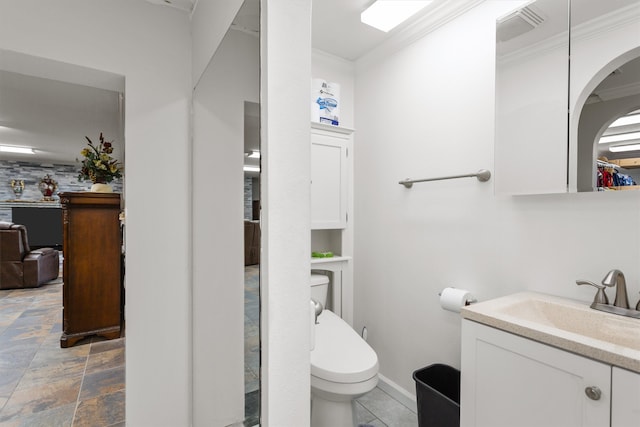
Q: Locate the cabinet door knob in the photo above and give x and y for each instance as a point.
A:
(593, 392)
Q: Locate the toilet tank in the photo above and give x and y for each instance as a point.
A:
(319, 288)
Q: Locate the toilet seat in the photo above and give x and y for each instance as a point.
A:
(340, 354)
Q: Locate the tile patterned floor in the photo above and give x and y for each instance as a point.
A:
(251, 345)
(378, 409)
(42, 384)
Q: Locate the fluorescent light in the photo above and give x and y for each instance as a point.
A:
(19, 150)
(247, 168)
(254, 155)
(626, 120)
(620, 148)
(387, 14)
(619, 137)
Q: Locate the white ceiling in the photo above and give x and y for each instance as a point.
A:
(336, 26)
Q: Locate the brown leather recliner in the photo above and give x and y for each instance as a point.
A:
(21, 267)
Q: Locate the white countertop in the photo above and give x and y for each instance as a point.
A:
(564, 323)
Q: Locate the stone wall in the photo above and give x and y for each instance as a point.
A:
(31, 173)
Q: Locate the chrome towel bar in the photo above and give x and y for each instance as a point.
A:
(483, 175)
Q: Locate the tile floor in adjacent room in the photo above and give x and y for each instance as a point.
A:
(43, 385)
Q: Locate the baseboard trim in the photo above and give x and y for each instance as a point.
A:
(398, 393)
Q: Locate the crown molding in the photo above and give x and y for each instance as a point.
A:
(443, 13)
(619, 92)
(609, 22)
(593, 28)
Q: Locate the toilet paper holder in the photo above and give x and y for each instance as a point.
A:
(467, 302)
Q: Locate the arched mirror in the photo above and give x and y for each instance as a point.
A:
(540, 93)
(609, 130)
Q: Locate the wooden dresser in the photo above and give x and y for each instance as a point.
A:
(92, 292)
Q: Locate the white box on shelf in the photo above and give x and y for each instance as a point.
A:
(325, 102)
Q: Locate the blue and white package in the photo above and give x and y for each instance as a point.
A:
(325, 102)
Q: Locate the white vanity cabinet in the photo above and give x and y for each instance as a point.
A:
(625, 398)
(329, 176)
(508, 381)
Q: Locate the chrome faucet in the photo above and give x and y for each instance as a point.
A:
(616, 278)
(620, 304)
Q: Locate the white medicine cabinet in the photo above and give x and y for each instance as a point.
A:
(329, 176)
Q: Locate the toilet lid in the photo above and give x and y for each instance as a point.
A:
(340, 354)
(318, 279)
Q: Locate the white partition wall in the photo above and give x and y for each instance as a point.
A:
(286, 67)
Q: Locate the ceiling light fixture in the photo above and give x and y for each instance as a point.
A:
(619, 137)
(626, 120)
(254, 154)
(18, 150)
(387, 14)
(247, 168)
(621, 148)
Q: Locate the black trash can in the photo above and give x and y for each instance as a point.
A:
(438, 396)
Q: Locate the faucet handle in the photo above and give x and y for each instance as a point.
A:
(601, 297)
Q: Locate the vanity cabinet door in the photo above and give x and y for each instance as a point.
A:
(508, 381)
(329, 168)
(625, 398)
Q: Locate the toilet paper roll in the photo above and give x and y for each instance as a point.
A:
(453, 299)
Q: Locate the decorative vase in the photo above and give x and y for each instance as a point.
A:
(17, 185)
(101, 187)
(48, 187)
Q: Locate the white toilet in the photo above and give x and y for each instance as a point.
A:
(343, 366)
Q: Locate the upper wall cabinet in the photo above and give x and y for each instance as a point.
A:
(542, 97)
(329, 176)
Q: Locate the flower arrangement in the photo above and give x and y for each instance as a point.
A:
(98, 166)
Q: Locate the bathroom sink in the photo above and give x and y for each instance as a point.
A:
(564, 323)
(579, 320)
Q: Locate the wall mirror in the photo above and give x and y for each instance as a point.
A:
(541, 95)
(531, 100)
(226, 213)
(604, 95)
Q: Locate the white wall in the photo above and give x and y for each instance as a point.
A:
(150, 46)
(231, 78)
(285, 150)
(411, 243)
